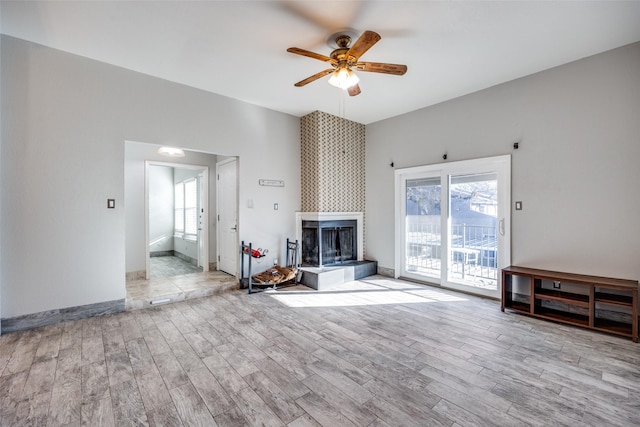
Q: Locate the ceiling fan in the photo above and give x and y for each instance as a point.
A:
(344, 58)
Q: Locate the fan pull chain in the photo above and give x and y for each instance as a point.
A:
(343, 97)
(341, 102)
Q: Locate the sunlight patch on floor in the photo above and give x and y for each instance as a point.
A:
(438, 296)
(365, 292)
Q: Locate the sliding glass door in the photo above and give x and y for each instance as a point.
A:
(423, 226)
(473, 230)
(453, 223)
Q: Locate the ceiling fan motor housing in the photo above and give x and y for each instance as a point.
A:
(343, 42)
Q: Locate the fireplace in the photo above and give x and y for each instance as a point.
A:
(329, 242)
(330, 238)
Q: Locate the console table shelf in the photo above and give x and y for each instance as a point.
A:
(582, 304)
(563, 316)
(613, 299)
(566, 297)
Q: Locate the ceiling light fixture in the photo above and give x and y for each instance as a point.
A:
(170, 152)
(343, 78)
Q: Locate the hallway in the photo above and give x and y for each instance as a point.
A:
(170, 266)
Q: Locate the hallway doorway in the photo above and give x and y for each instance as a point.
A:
(176, 218)
(165, 278)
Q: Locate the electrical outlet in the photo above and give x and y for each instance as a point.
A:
(275, 206)
(556, 285)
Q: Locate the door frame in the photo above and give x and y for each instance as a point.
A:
(205, 201)
(501, 164)
(235, 160)
(203, 198)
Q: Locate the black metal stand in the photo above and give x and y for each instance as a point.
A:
(247, 282)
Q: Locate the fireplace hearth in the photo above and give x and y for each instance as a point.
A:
(331, 242)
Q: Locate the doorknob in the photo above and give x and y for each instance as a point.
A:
(234, 228)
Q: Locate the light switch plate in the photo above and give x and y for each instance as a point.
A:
(111, 203)
(518, 206)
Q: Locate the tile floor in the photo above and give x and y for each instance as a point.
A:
(173, 280)
(169, 266)
(376, 352)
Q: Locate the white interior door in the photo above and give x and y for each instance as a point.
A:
(227, 194)
(453, 224)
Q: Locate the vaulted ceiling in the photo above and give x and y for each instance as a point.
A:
(238, 48)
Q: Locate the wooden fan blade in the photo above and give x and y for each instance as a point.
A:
(380, 67)
(363, 44)
(314, 77)
(310, 54)
(354, 90)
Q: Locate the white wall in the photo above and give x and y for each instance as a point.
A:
(576, 171)
(64, 120)
(161, 208)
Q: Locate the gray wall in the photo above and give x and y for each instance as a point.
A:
(1, 210)
(576, 171)
(64, 123)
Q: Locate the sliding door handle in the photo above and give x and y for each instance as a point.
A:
(501, 227)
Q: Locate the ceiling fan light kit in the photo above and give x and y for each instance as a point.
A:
(343, 78)
(344, 58)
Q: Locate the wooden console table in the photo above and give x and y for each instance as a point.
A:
(582, 308)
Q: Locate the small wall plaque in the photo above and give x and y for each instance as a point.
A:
(271, 182)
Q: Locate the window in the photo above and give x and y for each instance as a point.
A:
(191, 208)
(186, 209)
(179, 207)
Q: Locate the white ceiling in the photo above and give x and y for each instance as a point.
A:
(238, 48)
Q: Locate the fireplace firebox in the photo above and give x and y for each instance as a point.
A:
(331, 242)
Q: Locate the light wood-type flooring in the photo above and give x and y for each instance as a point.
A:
(376, 352)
